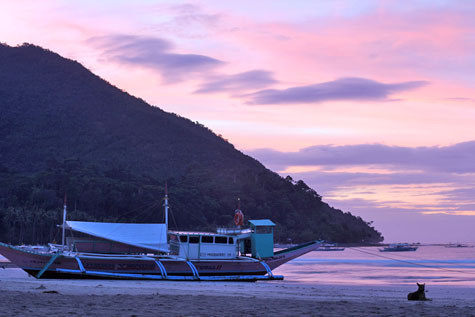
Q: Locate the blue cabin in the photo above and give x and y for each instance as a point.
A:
(262, 238)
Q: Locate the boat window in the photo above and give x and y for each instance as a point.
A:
(207, 239)
(221, 240)
(194, 239)
(231, 240)
(264, 229)
(183, 238)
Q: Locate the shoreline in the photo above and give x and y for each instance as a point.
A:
(23, 295)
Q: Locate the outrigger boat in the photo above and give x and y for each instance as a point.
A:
(398, 247)
(150, 251)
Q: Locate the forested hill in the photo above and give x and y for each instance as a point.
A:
(64, 129)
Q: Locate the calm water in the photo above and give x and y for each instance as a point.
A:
(366, 265)
(435, 265)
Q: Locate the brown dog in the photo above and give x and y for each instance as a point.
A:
(419, 294)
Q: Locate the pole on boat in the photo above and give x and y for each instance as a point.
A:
(166, 208)
(64, 223)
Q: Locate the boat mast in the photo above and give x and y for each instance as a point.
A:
(239, 210)
(64, 223)
(166, 208)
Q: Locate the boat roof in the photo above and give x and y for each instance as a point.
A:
(261, 222)
(198, 233)
(152, 236)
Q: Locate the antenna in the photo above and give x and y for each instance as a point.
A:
(64, 223)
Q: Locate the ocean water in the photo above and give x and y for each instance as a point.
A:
(435, 265)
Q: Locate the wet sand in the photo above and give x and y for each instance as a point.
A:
(23, 295)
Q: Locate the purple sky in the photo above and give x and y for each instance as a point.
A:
(371, 103)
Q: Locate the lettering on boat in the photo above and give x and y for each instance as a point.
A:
(209, 267)
(94, 265)
(134, 266)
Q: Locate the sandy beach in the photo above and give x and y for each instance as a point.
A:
(23, 295)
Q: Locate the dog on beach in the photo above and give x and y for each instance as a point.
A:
(420, 294)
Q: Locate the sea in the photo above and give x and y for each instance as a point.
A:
(431, 264)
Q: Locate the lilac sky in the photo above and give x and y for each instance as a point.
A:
(371, 103)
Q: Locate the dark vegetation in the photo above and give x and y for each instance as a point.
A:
(65, 130)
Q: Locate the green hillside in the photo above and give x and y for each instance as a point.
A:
(63, 129)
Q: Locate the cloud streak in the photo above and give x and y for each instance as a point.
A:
(456, 158)
(250, 80)
(154, 53)
(417, 179)
(351, 88)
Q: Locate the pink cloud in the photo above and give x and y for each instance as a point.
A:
(383, 44)
(353, 89)
(153, 53)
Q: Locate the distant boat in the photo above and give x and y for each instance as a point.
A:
(458, 245)
(398, 247)
(329, 247)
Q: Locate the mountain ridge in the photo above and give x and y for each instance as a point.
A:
(64, 129)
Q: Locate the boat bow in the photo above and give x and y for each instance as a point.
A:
(284, 256)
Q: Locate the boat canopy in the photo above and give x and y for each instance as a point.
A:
(152, 236)
(262, 222)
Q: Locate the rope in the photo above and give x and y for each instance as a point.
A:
(409, 262)
(140, 212)
(170, 212)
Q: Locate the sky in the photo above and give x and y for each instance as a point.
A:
(371, 103)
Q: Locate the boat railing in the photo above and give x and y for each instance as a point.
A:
(234, 231)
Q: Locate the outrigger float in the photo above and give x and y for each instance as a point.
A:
(151, 252)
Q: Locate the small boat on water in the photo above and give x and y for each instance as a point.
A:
(458, 245)
(398, 247)
(329, 247)
(150, 251)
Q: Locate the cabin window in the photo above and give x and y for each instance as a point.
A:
(207, 239)
(183, 238)
(264, 229)
(221, 240)
(231, 240)
(194, 239)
